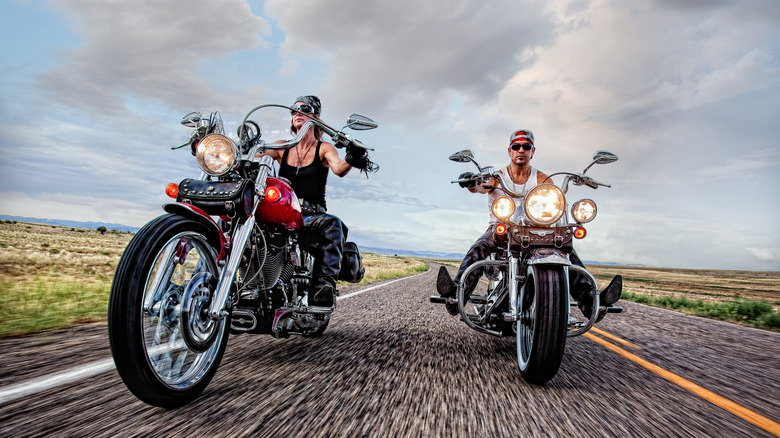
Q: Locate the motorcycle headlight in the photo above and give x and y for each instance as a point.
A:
(583, 211)
(216, 154)
(503, 207)
(544, 204)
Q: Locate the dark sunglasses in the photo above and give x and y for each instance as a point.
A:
(304, 109)
(526, 146)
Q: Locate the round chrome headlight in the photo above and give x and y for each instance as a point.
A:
(583, 211)
(216, 154)
(544, 204)
(503, 208)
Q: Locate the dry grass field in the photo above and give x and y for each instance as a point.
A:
(52, 277)
(705, 285)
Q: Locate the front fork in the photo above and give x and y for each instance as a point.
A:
(511, 280)
(220, 305)
(517, 293)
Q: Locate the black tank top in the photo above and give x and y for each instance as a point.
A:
(308, 182)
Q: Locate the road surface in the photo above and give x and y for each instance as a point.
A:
(393, 364)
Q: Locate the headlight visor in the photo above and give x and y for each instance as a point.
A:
(216, 154)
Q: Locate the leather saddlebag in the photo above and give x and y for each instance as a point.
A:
(352, 269)
(219, 198)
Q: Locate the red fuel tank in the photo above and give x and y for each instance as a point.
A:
(279, 205)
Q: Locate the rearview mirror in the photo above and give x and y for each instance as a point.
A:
(191, 120)
(463, 156)
(361, 123)
(604, 157)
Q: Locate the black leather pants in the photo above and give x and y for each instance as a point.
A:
(323, 236)
(579, 284)
(480, 250)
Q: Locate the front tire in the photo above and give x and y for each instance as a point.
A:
(541, 329)
(165, 347)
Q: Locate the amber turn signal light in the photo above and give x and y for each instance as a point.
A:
(172, 190)
(580, 233)
(501, 229)
(272, 194)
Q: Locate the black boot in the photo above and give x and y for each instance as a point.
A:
(444, 283)
(323, 296)
(323, 236)
(609, 296)
(448, 289)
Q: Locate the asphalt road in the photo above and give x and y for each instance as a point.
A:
(393, 364)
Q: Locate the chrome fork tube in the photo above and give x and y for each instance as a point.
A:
(512, 274)
(219, 306)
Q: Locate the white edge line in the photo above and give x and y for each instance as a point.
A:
(12, 392)
(38, 384)
(381, 285)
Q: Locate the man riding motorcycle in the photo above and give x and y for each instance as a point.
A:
(523, 178)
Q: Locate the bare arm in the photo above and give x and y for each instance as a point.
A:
(330, 157)
(276, 155)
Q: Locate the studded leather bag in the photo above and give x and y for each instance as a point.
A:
(219, 198)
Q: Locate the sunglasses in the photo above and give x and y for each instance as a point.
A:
(526, 146)
(303, 109)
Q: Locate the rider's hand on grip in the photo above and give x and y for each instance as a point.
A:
(470, 176)
(356, 157)
(340, 141)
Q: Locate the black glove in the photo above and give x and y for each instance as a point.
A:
(357, 157)
(466, 175)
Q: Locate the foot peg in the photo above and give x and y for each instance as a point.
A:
(613, 309)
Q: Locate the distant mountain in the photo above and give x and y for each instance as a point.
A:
(412, 253)
(71, 224)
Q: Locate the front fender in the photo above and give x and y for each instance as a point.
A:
(190, 211)
(548, 256)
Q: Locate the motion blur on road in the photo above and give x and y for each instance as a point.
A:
(393, 364)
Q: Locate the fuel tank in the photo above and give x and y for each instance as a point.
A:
(279, 205)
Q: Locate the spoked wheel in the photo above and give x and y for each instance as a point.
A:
(541, 330)
(165, 346)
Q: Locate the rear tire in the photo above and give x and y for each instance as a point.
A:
(541, 330)
(153, 348)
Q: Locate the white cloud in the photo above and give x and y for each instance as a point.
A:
(765, 254)
(150, 50)
(392, 57)
(82, 208)
(685, 92)
(290, 67)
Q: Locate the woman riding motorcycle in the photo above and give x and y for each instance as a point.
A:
(306, 166)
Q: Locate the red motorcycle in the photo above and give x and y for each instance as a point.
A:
(224, 259)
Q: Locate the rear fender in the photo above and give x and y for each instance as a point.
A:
(216, 237)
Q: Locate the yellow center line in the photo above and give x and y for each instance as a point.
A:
(740, 411)
(615, 338)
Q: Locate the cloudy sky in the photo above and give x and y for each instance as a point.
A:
(687, 93)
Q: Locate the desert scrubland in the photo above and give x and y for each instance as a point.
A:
(53, 277)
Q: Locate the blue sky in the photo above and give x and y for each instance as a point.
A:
(686, 93)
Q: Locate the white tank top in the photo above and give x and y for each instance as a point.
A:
(519, 189)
